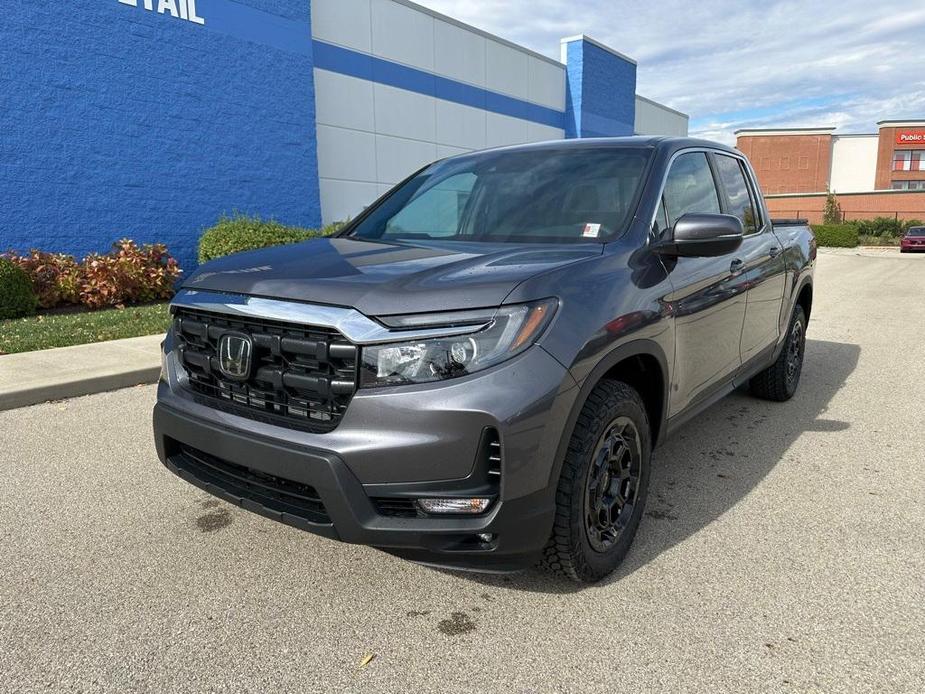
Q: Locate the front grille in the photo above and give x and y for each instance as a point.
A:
(301, 376)
(274, 493)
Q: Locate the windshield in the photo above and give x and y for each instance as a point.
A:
(916, 231)
(544, 196)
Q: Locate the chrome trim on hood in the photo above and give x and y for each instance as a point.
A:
(356, 327)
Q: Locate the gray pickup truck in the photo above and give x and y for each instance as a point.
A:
(475, 371)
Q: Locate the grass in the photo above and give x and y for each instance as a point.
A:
(45, 331)
(865, 240)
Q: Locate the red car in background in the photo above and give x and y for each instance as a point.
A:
(914, 240)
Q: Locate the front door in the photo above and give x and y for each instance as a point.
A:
(761, 262)
(708, 295)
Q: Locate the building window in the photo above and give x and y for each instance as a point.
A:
(908, 185)
(909, 160)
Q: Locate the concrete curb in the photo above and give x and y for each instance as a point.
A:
(66, 372)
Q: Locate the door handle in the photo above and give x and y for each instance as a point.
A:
(774, 251)
(735, 265)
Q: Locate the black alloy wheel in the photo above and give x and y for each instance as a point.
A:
(612, 487)
(602, 488)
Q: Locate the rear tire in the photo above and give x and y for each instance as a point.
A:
(780, 380)
(603, 486)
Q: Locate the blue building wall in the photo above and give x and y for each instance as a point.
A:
(117, 121)
(600, 91)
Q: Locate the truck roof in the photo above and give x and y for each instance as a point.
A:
(641, 141)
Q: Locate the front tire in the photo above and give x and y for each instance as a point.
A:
(780, 380)
(603, 486)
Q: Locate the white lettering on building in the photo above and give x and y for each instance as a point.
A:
(181, 9)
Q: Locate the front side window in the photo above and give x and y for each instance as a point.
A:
(689, 188)
(738, 196)
(543, 195)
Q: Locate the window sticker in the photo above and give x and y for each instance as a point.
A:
(591, 231)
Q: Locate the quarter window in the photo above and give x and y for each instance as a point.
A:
(737, 192)
(689, 188)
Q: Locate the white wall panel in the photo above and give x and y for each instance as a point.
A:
(459, 54)
(341, 200)
(397, 158)
(344, 101)
(854, 163)
(405, 114)
(536, 132)
(345, 22)
(460, 126)
(655, 119)
(504, 130)
(444, 151)
(546, 84)
(370, 136)
(346, 154)
(507, 70)
(403, 34)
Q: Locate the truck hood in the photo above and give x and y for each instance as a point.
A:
(381, 279)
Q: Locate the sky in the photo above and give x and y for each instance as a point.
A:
(734, 64)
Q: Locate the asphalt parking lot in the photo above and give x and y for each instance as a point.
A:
(783, 549)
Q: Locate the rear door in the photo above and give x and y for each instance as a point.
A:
(759, 262)
(708, 302)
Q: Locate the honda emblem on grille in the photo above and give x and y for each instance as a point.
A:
(234, 355)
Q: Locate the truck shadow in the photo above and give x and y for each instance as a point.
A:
(715, 460)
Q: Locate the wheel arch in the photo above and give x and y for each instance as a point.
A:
(641, 364)
(805, 297)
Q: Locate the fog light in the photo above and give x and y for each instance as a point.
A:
(476, 505)
(487, 538)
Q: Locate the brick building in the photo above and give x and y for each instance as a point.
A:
(879, 174)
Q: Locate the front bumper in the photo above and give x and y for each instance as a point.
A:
(394, 443)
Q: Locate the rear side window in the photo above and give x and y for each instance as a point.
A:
(738, 196)
(689, 188)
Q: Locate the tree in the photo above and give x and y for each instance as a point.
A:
(832, 213)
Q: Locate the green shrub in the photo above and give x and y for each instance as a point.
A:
(836, 235)
(243, 233)
(887, 227)
(332, 228)
(17, 297)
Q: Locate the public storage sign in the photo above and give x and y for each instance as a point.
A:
(910, 137)
(181, 9)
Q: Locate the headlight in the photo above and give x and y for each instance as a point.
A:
(512, 330)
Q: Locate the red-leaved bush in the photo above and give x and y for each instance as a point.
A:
(128, 274)
(55, 277)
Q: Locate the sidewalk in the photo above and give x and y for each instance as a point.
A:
(53, 374)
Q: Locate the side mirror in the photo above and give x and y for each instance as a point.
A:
(702, 235)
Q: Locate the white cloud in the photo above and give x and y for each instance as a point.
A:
(741, 63)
